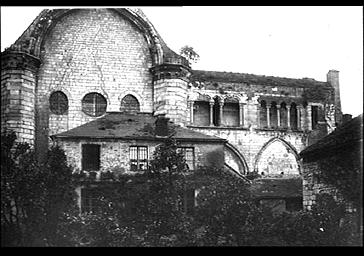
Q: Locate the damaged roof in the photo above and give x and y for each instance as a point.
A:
(140, 126)
(276, 188)
(346, 135)
(230, 77)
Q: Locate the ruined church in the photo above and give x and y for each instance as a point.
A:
(103, 85)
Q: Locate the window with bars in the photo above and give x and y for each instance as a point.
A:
(189, 154)
(94, 104)
(138, 158)
(58, 103)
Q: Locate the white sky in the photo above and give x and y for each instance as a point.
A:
(281, 41)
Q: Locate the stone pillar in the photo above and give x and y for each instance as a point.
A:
(288, 116)
(245, 115)
(212, 113)
(299, 117)
(268, 115)
(309, 119)
(241, 115)
(221, 109)
(191, 111)
(278, 115)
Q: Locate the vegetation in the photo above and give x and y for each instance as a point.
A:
(150, 209)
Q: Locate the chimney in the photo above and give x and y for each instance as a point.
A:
(333, 80)
(161, 126)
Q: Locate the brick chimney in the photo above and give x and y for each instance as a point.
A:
(161, 126)
(333, 80)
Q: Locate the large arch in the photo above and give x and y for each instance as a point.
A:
(238, 157)
(286, 165)
(31, 41)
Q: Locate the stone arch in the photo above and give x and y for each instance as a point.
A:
(277, 157)
(133, 93)
(32, 40)
(234, 155)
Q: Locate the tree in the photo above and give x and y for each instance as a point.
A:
(190, 54)
(33, 196)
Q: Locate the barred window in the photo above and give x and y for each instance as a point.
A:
(58, 103)
(129, 104)
(94, 104)
(138, 158)
(189, 154)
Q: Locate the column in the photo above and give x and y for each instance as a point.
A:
(268, 115)
(241, 109)
(212, 113)
(221, 108)
(298, 117)
(278, 115)
(309, 117)
(288, 116)
(191, 111)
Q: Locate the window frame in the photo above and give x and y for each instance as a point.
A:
(138, 161)
(83, 161)
(54, 107)
(183, 151)
(95, 105)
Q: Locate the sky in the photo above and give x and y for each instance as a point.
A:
(295, 42)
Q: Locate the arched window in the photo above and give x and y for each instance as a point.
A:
(58, 103)
(230, 115)
(129, 104)
(263, 114)
(94, 104)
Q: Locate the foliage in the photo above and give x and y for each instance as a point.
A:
(33, 195)
(189, 53)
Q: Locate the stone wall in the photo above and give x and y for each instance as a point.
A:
(114, 154)
(253, 144)
(312, 186)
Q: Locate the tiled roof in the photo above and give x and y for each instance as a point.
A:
(276, 188)
(348, 134)
(141, 126)
(218, 76)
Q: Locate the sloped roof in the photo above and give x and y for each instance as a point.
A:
(219, 76)
(141, 126)
(276, 188)
(346, 135)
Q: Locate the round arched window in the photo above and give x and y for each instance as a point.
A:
(129, 104)
(94, 104)
(58, 103)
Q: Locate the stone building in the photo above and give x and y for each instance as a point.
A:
(343, 148)
(75, 72)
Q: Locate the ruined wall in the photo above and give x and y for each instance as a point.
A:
(91, 50)
(254, 146)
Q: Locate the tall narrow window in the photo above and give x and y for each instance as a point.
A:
(90, 157)
(138, 158)
(130, 104)
(189, 154)
(201, 113)
(283, 115)
(293, 117)
(231, 113)
(216, 114)
(314, 116)
(273, 115)
(58, 103)
(263, 114)
(94, 104)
